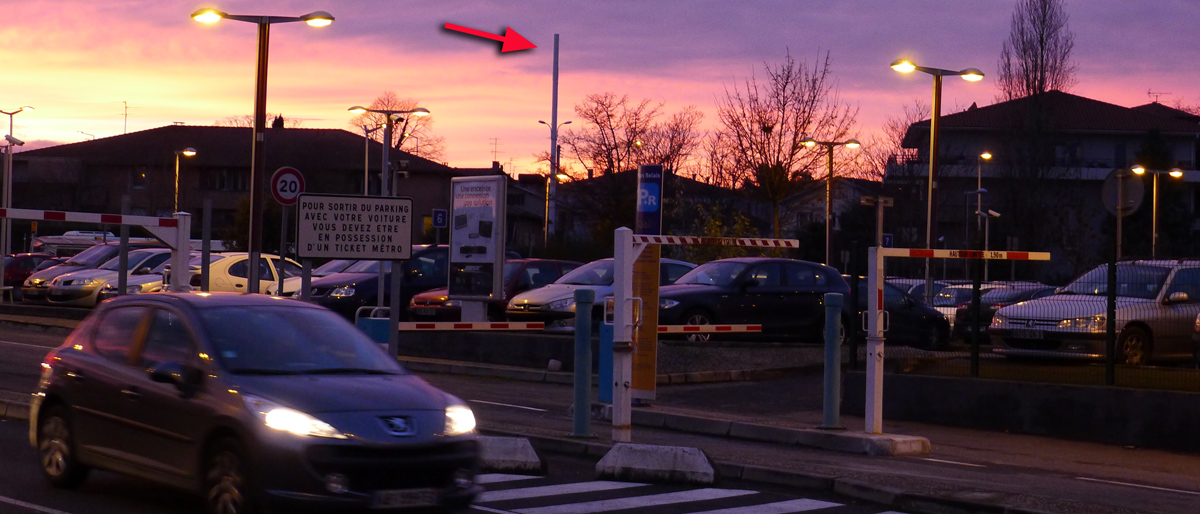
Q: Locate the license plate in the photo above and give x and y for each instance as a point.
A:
(1028, 334)
(425, 311)
(397, 498)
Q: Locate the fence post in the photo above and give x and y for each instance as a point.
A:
(976, 281)
(584, 298)
(1110, 343)
(833, 361)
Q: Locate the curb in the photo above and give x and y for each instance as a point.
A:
(561, 377)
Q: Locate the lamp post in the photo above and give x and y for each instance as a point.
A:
(186, 152)
(987, 218)
(551, 180)
(416, 145)
(968, 74)
(1173, 173)
(258, 158)
(6, 227)
(90, 136)
(985, 156)
(849, 143)
(367, 158)
(386, 184)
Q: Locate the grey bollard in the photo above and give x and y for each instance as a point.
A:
(584, 298)
(833, 362)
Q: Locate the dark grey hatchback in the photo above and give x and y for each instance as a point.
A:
(257, 403)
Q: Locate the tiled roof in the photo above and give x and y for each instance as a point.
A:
(1158, 109)
(1070, 113)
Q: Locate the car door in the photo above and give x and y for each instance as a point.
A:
(169, 423)
(757, 297)
(803, 292)
(1175, 323)
(239, 276)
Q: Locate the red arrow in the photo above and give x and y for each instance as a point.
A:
(512, 41)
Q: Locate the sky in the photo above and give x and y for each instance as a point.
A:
(105, 68)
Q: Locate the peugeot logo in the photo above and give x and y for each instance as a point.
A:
(399, 425)
(1029, 323)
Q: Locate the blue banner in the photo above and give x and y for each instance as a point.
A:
(649, 200)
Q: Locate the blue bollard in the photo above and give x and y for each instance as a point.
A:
(833, 362)
(584, 298)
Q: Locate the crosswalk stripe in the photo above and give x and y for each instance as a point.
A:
(784, 507)
(637, 501)
(496, 478)
(552, 490)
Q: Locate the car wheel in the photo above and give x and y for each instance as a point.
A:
(56, 450)
(1134, 346)
(932, 339)
(226, 489)
(698, 317)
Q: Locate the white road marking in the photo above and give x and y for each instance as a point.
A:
(493, 511)
(509, 405)
(553, 490)
(30, 506)
(1196, 493)
(495, 478)
(784, 507)
(637, 501)
(953, 462)
(47, 348)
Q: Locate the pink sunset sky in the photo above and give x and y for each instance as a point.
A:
(79, 63)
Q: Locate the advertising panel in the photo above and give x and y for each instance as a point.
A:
(477, 232)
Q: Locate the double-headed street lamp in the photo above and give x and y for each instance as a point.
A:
(1174, 173)
(186, 152)
(985, 156)
(386, 187)
(8, 153)
(849, 143)
(968, 74)
(258, 157)
(552, 180)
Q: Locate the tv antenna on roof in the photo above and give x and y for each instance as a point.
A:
(1155, 94)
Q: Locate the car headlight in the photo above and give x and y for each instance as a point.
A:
(1095, 323)
(88, 282)
(667, 303)
(565, 304)
(289, 420)
(342, 292)
(999, 321)
(459, 420)
(30, 282)
(453, 303)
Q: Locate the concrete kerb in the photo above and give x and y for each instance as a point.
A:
(654, 463)
(509, 454)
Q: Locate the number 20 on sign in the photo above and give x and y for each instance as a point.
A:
(286, 185)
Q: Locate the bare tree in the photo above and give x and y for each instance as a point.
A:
(618, 134)
(412, 134)
(1037, 55)
(247, 121)
(764, 123)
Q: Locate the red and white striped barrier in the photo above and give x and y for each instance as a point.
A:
(994, 255)
(716, 241)
(474, 325)
(88, 217)
(707, 329)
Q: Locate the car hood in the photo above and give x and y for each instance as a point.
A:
(137, 280)
(345, 279)
(1067, 306)
(439, 294)
(62, 269)
(85, 274)
(677, 290)
(344, 393)
(552, 292)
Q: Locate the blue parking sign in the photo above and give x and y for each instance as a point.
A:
(440, 217)
(888, 241)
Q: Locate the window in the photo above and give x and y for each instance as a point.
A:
(241, 269)
(1186, 280)
(767, 275)
(671, 272)
(287, 269)
(168, 339)
(799, 275)
(114, 335)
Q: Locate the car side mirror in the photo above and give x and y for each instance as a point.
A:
(748, 283)
(184, 378)
(142, 271)
(1177, 297)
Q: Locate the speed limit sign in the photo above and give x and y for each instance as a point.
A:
(286, 185)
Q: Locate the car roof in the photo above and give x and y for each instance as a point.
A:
(202, 300)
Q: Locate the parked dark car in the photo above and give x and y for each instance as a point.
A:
(520, 275)
(785, 296)
(911, 322)
(18, 267)
(36, 288)
(50, 263)
(252, 404)
(991, 301)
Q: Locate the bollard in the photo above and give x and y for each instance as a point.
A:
(833, 362)
(584, 298)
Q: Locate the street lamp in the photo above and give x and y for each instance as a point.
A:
(386, 187)
(186, 152)
(551, 180)
(1174, 173)
(849, 143)
(12, 141)
(987, 219)
(416, 144)
(985, 156)
(968, 74)
(258, 157)
(367, 158)
(92, 136)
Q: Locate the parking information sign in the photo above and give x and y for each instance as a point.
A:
(354, 227)
(439, 218)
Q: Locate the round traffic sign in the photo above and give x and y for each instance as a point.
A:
(286, 185)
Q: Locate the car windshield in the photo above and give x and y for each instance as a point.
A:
(510, 269)
(331, 267)
(368, 267)
(713, 274)
(93, 256)
(952, 296)
(1004, 294)
(1133, 281)
(133, 259)
(595, 273)
(284, 340)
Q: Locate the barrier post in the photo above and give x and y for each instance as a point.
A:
(181, 272)
(873, 419)
(584, 298)
(623, 257)
(833, 361)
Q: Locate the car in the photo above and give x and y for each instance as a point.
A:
(520, 275)
(82, 288)
(151, 282)
(951, 296)
(1157, 304)
(785, 296)
(994, 299)
(36, 288)
(910, 321)
(231, 272)
(358, 285)
(17, 267)
(915, 287)
(555, 304)
(250, 403)
(290, 285)
(50, 263)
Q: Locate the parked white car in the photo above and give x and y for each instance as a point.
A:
(151, 282)
(82, 288)
(232, 272)
(949, 298)
(292, 284)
